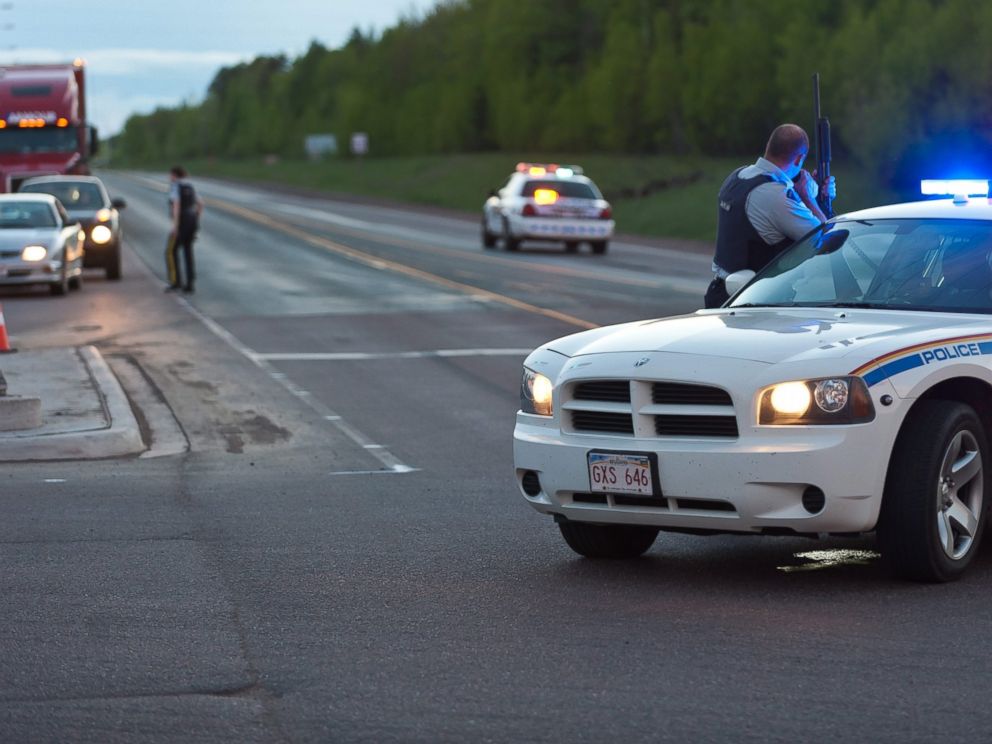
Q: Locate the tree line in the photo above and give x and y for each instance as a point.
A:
(906, 83)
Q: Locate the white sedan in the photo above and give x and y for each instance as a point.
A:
(547, 202)
(846, 389)
(39, 243)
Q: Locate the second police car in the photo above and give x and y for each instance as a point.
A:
(547, 202)
(845, 389)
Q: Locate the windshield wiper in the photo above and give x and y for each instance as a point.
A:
(762, 304)
(855, 305)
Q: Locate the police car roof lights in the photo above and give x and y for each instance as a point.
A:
(542, 169)
(956, 187)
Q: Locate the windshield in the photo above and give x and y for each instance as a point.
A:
(905, 264)
(574, 189)
(44, 139)
(19, 215)
(72, 194)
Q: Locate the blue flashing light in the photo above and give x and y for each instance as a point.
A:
(954, 187)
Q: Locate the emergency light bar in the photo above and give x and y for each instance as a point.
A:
(954, 187)
(540, 169)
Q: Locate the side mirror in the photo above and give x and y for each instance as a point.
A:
(737, 280)
(492, 193)
(94, 140)
(118, 203)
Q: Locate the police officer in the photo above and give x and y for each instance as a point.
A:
(185, 208)
(764, 208)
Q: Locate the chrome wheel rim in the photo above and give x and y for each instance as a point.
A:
(960, 495)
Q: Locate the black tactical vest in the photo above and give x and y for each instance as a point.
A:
(738, 244)
(187, 206)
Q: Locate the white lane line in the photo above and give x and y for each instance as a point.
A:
(356, 356)
(398, 469)
(392, 463)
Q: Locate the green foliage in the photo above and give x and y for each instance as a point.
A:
(902, 80)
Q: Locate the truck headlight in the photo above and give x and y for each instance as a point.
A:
(101, 234)
(830, 400)
(535, 393)
(34, 253)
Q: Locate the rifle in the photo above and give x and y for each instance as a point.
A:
(822, 135)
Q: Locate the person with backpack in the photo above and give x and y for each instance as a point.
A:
(185, 208)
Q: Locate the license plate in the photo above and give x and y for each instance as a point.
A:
(611, 472)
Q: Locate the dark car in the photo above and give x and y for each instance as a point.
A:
(86, 200)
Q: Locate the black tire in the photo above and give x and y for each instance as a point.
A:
(599, 246)
(571, 246)
(488, 239)
(113, 268)
(62, 288)
(932, 523)
(509, 242)
(76, 282)
(615, 541)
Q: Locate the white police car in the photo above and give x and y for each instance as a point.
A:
(845, 389)
(547, 202)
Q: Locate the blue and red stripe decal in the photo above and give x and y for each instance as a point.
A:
(919, 355)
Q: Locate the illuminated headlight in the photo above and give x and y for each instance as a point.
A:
(831, 400)
(535, 393)
(34, 253)
(101, 234)
(103, 215)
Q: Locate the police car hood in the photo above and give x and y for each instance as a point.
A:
(774, 335)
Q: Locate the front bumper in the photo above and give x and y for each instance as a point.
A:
(753, 484)
(22, 272)
(549, 228)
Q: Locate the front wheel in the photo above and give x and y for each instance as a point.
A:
(616, 541)
(113, 270)
(61, 287)
(511, 243)
(933, 509)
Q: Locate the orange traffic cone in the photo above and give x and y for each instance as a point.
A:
(4, 341)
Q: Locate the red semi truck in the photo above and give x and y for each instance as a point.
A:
(43, 129)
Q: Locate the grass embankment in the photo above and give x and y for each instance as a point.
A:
(654, 195)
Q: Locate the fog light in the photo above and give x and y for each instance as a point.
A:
(531, 483)
(814, 500)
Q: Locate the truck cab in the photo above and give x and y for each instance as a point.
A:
(43, 129)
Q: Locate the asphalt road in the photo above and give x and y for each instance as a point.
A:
(342, 554)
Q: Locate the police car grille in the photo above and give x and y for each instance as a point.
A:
(683, 394)
(649, 409)
(695, 426)
(617, 391)
(603, 421)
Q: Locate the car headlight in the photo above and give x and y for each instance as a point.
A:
(103, 215)
(101, 234)
(830, 400)
(535, 393)
(34, 253)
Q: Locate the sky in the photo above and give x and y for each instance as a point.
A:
(142, 54)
